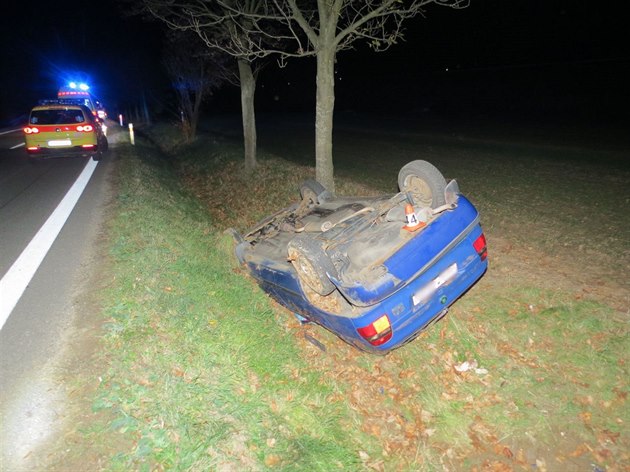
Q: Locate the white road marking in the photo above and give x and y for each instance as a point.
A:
(17, 146)
(10, 131)
(16, 280)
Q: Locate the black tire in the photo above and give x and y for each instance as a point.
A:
(424, 182)
(311, 264)
(313, 192)
(103, 145)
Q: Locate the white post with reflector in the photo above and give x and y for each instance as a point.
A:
(131, 137)
(120, 120)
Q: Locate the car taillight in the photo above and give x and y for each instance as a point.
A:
(31, 130)
(480, 247)
(377, 333)
(87, 146)
(85, 128)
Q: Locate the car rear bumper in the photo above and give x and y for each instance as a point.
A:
(410, 310)
(44, 152)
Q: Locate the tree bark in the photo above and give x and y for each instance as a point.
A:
(248, 89)
(324, 109)
(194, 119)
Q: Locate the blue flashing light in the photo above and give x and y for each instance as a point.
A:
(81, 86)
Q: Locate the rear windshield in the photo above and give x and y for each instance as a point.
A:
(56, 117)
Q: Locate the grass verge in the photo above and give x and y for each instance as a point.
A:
(204, 372)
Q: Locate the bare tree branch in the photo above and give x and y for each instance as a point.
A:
(253, 29)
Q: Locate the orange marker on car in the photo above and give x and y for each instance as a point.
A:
(413, 223)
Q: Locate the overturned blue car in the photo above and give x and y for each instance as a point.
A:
(376, 271)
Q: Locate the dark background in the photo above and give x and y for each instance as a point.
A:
(521, 60)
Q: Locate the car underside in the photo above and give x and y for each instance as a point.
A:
(347, 262)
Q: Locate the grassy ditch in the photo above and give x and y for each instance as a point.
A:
(204, 372)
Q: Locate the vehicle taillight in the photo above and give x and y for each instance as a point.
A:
(31, 130)
(377, 333)
(85, 128)
(87, 146)
(480, 247)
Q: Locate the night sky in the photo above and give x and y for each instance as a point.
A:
(539, 60)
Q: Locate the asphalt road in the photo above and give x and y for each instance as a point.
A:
(33, 338)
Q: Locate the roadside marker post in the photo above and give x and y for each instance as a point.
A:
(131, 137)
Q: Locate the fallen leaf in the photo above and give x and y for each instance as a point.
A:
(443, 333)
(405, 374)
(580, 450)
(586, 417)
(378, 465)
(602, 455)
(607, 436)
(520, 458)
(584, 400)
(272, 460)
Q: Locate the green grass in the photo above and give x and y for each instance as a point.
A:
(199, 370)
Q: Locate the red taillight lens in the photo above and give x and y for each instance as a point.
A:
(29, 130)
(87, 146)
(377, 333)
(480, 247)
(85, 128)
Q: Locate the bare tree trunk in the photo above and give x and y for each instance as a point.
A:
(145, 109)
(194, 118)
(248, 89)
(324, 108)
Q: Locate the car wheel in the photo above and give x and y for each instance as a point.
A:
(102, 149)
(311, 264)
(424, 182)
(313, 192)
